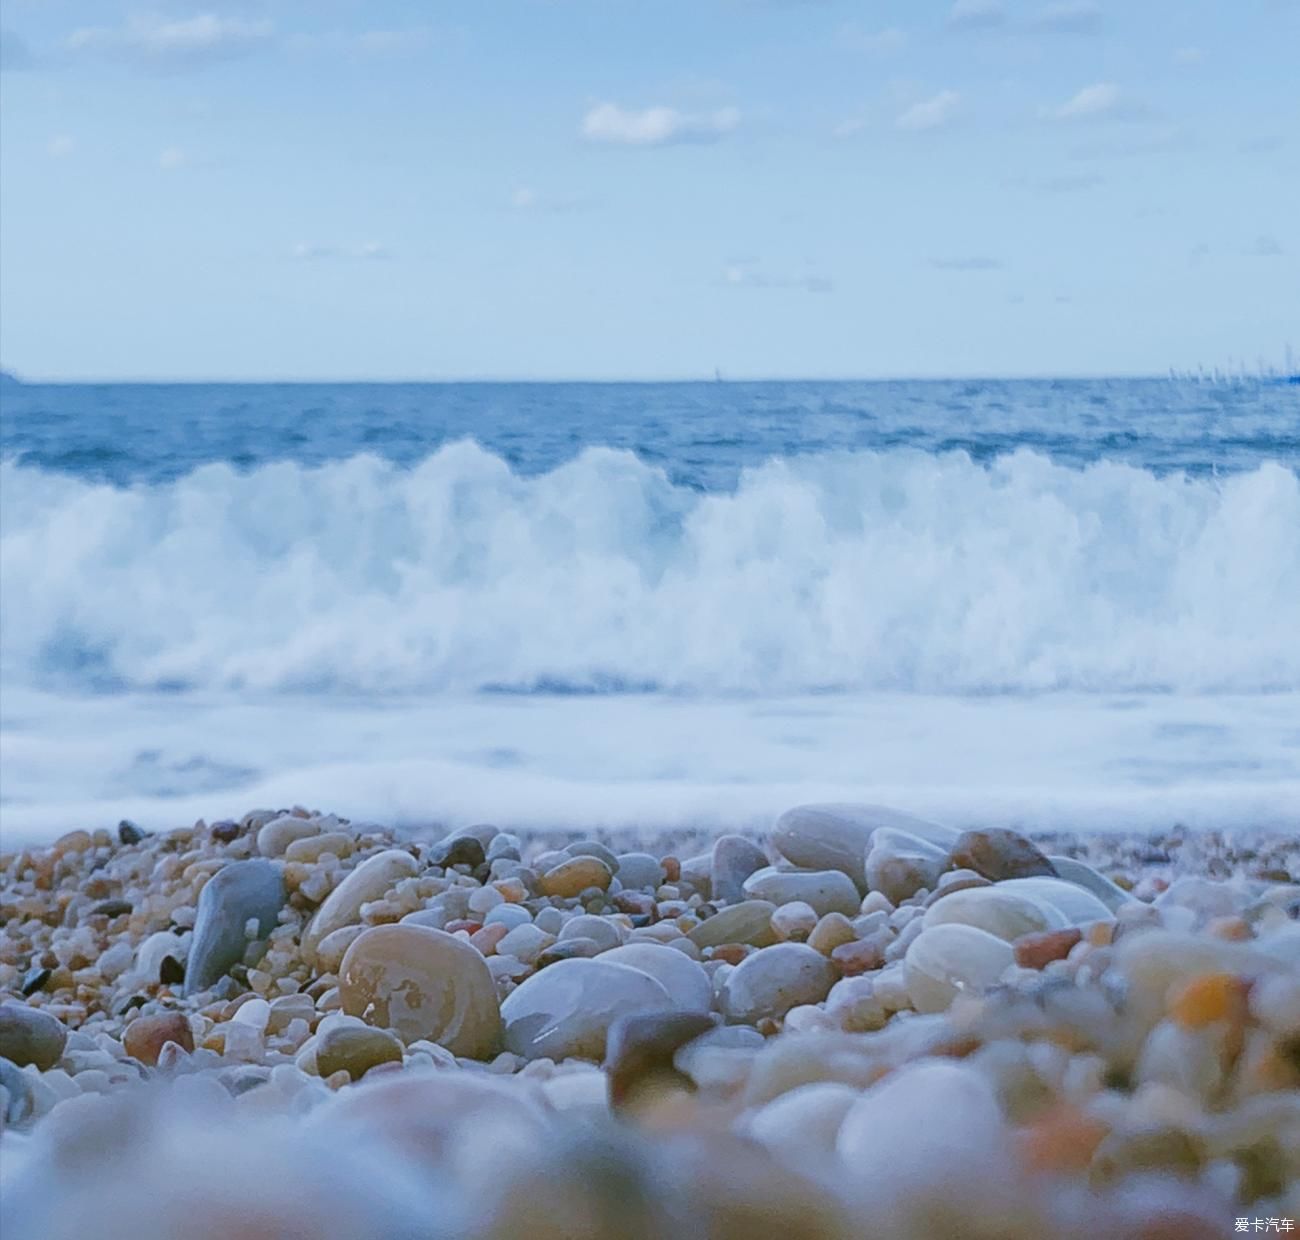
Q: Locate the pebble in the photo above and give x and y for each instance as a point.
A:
(1038, 950)
(599, 929)
(830, 932)
(639, 871)
(566, 1010)
(1083, 875)
(826, 891)
(1077, 904)
(422, 983)
(243, 891)
(946, 960)
(747, 922)
(772, 981)
(355, 1050)
(837, 837)
(370, 881)
(1000, 912)
(686, 982)
(804, 1123)
(30, 1036)
(640, 1051)
(900, 864)
(572, 877)
(145, 1036)
(996, 854)
(525, 943)
(795, 920)
(279, 833)
(735, 858)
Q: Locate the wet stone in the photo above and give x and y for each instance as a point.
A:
(571, 878)
(422, 983)
(34, 979)
(997, 853)
(825, 891)
(735, 858)
(772, 981)
(128, 832)
(241, 892)
(640, 1049)
(111, 908)
(747, 922)
(458, 850)
(30, 1036)
(355, 1050)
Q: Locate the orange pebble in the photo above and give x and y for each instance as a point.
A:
(1061, 1141)
(1209, 998)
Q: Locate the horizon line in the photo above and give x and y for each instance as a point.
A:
(519, 380)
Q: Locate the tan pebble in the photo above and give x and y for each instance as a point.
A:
(731, 953)
(1211, 997)
(73, 842)
(513, 890)
(1234, 929)
(1061, 1141)
(367, 883)
(572, 877)
(997, 854)
(355, 1050)
(311, 847)
(423, 983)
(338, 1079)
(831, 931)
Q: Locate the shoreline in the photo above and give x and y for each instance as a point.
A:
(855, 1015)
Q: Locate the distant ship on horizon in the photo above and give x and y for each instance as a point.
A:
(1264, 372)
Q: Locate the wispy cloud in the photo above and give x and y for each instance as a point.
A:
(976, 15)
(1068, 17)
(526, 198)
(613, 125)
(972, 263)
(311, 251)
(60, 146)
(875, 42)
(748, 273)
(1071, 184)
(1188, 55)
(166, 43)
(932, 113)
(1265, 246)
(172, 158)
(1102, 101)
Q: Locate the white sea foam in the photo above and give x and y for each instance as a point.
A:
(862, 571)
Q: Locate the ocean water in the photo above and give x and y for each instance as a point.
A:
(1052, 603)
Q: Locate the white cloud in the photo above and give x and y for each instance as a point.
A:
(1188, 55)
(976, 15)
(1068, 17)
(308, 251)
(1266, 247)
(930, 113)
(747, 273)
(61, 146)
(658, 126)
(172, 157)
(524, 198)
(1098, 102)
(173, 43)
(877, 42)
(372, 250)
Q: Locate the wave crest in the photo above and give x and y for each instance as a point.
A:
(865, 570)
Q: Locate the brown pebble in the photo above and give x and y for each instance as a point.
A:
(672, 869)
(635, 903)
(999, 854)
(862, 956)
(147, 1035)
(1037, 951)
(731, 953)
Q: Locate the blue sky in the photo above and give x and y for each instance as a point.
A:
(646, 188)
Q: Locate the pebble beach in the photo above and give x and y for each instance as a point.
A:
(860, 1024)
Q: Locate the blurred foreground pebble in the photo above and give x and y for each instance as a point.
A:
(870, 1026)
